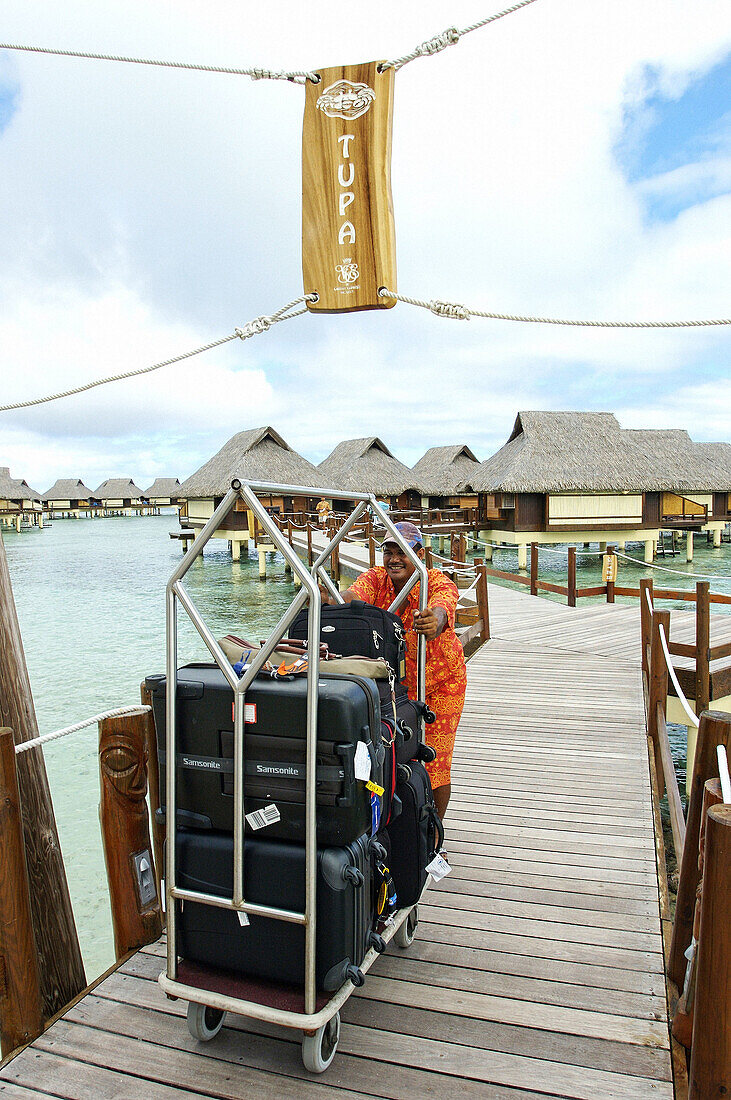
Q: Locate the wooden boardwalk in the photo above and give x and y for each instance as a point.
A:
(537, 967)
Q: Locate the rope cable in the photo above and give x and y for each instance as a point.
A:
(674, 678)
(449, 37)
(254, 73)
(252, 328)
(678, 572)
(36, 742)
(463, 313)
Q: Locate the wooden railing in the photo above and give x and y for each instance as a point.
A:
(698, 987)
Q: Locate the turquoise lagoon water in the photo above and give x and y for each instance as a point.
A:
(91, 603)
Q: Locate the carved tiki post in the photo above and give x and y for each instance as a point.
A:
(136, 912)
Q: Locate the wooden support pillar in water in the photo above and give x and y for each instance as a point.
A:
(20, 1002)
(689, 546)
(136, 910)
(59, 959)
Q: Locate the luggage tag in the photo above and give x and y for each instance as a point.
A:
(375, 813)
(438, 868)
(243, 919)
(362, 762)
(374, 788)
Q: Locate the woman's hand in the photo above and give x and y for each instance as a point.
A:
(431, 622)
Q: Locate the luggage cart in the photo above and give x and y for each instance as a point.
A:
(207, 1005)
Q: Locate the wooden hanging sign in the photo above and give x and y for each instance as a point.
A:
(348, 236)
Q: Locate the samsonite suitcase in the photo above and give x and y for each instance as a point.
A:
(274, 752)
(274, 874)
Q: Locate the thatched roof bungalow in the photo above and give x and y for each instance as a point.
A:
(164, 490)
(68, 495)
(119, 494)
(16, 495)
(260, 454)
(367, 466)
(568, 476)
(443, 476)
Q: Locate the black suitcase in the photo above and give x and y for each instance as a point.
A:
(409, 713)
(274, 753)
(416, 835)
(274, 874)
(358, 629)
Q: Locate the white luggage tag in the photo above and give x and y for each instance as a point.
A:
(438, 867)
(362, 762)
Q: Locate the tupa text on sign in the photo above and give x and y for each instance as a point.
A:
(348, 236)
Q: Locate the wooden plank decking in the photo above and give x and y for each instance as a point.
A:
(537, 968)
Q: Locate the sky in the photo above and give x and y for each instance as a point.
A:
(571, 160)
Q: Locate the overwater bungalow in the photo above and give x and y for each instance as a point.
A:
(443, 476)
(19, 503)
(163, 492)
(119, 495)
(68, 497)
(579, 477)
(260, 454)
(367, 466)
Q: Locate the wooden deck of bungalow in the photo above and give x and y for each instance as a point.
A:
(537, 967)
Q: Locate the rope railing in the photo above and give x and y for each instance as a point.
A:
(463, 313)
(251, 328)
(677, 572)
(36, 742)
(254, 73)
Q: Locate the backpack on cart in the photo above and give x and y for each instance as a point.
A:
(359, 629)
(416, 835)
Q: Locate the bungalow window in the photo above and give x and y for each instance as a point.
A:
(508, 501)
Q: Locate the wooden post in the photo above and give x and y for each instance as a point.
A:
(371, 549)
(534, 569)
(612, 572)
(710, 1058)
(310, 558)
(658, 689)
(153, 776)
(133, 893)
(20, 1002)
(482, 603)
(59, 959)
(335, 564)
(428, 557)
(645, 622)
(714, 730)
(571, 581)
(461, 548)
(702, 646)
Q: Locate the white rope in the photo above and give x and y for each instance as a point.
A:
(255, 74)
(252, 328)
(462, 313)
(678, 572)
(37, 741)
(723, 775)
(449, 37)
(674, 678)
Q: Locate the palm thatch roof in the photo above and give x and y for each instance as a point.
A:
(259, 454)
(443, 470)
(366, 466)
(589, 452)
(118, 488)
(163, 487)
(12, 488)
(68, 488)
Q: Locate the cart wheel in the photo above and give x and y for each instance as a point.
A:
(404, 935)
(318, 1050)
(204, 1023)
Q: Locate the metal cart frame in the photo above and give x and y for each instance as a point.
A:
(310, 1021)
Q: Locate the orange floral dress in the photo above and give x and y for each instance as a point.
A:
(446, 674)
